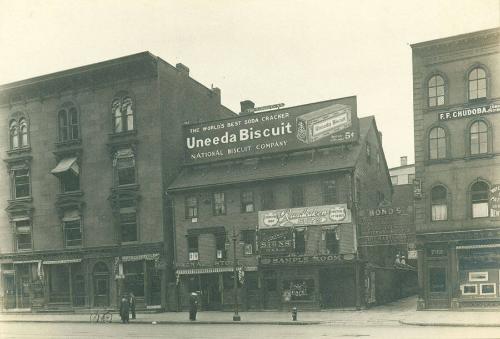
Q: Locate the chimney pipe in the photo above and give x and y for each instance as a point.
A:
(404, 160)
(183, 69)
(246, 106)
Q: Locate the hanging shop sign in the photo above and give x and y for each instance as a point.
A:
(275, 241)
(467, 112)
(296, 128)
(305, 260)
(305, 216)
(388, 225)
(495, 200)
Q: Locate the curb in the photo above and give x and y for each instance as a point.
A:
(412, 323)
(173, 322)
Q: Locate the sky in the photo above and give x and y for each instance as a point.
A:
(269, 51)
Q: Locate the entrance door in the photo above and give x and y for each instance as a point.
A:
(101, 285)
(210, 292)
(10, 291)
(437, 285)
(24, 300)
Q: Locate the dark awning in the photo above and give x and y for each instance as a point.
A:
(66, 164)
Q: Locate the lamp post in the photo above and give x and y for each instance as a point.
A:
(236, 316)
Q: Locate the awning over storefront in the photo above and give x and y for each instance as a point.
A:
(208, 270)
(470, 247)
(65, 165)
(62, 261)
(20, 262)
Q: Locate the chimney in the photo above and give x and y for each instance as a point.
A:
(183, 69)
(245, 106)
(404, 160)
(216, 92)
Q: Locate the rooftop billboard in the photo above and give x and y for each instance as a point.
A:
(288, 129)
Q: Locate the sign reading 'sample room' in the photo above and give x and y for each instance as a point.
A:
(301, 127)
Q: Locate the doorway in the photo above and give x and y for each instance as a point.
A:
(101, 285)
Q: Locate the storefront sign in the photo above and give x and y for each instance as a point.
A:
(304, 260)
(437, 252)
(460, 235)
(275, 242)
(495, 201)
(387, 225)
(417, 188)
(467, 112)
(295, 128)
(305, 216)
(264, 108)
(412, 254)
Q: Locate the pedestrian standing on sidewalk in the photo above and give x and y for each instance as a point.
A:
(124, 309)
(193, 306)
(132, 304)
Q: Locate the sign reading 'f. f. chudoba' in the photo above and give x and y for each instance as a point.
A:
(305, 216)
(295, 128)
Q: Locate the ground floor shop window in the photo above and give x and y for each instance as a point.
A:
(134, 277)
(59, 283)
(299, 289)
(437, 279)
(270, 281)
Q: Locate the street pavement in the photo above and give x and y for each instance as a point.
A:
(402, 312)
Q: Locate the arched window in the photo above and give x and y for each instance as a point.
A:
(478, 134)
(123, 114)
(23, 129)
(436, 91)
(14, 134)
(439, 203)
(68, 124)
(479, 199)
(437, 143)
(477, 83)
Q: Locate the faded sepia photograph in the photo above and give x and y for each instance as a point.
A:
(249, 169)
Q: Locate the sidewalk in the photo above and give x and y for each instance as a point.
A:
(402, 312)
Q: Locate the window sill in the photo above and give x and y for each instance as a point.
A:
(24, 199)
(68, 143)
(73, 247)
(19, 150)
(72, 194)
(479, 156)
(134, 187)
(433, 109)
(437, 161)
(24, 251)
(123, 134)
(133, 242)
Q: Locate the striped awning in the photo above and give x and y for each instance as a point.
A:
(470, 247)
(208, 270)
(62, 261)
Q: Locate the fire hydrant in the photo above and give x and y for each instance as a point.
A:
(294, 313)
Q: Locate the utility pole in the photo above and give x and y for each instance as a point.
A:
(236, 316)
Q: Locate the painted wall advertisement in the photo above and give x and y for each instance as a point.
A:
(467, 112)
(296, 128)
(387, 225)
(305, 216)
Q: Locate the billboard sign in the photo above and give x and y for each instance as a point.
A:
(389, 225)
(305, 216)
(296, 128)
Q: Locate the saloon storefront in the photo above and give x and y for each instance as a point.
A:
(460, 269)
(307, 258)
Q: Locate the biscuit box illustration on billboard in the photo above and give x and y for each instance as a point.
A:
(322, 123)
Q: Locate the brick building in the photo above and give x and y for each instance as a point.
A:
(287, 193)
(88, 155)
(456, 89)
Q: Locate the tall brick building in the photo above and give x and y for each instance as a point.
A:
(287, 196)
(456, 94)
(88, 153)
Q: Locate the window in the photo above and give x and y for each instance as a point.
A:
(123, 114)
(439, 203)
(437, 279)
(248, 239)
(477, 84)
(220, 246)
(380, 197)
(68, 172)
(247, 204)
(68, 124)
(191, 204)
(436, 91)
(23, 235)
(134, 277)
(479, 199)
(128, 220)
(193, 248)
(267, 199)
(332, 243)
(299, 241)
(219, 203)
(411, 177)
(21, 183)
(394, 179)
(478, 137)
(18, 131)
(368, 153)
(297, 196)
(378, 160)
(437, 143)
(329, 190)
(125, 170)
(72, 229)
